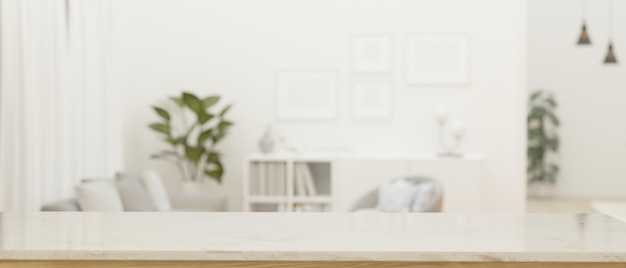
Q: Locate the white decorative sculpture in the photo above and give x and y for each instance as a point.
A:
(458, 131)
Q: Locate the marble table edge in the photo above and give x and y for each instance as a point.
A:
(596, 257)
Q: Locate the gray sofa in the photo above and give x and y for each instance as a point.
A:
(132, 192)
(180, 202)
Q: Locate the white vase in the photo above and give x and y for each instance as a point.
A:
(267, 142)
(541, 190)
(191, 187)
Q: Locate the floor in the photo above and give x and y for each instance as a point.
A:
(615, 208)
(576, 205)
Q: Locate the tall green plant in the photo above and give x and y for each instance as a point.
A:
(192, 140)
(543, 140)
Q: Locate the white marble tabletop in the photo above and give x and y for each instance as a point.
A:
(312, 236)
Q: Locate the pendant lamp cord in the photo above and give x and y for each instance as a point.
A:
(584, 10)
(610, 15)
(67, 22)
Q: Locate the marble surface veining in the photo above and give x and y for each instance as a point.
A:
(312, 236)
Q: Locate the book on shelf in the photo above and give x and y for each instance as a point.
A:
(262, 179)
(268, 179)
(280, 179)
(254, 179)
(271, 178)
(303, 180)
(277, 179)
(301, 207)
(308, 179)
(298, 179)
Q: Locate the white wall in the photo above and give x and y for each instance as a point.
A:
(591, 95)
(233, 48)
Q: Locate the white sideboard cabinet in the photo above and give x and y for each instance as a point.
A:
(273, 182)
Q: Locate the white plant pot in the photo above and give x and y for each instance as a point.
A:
(541, 190)
(191, 187)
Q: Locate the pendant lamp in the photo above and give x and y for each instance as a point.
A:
(584, 36)
(610, 55)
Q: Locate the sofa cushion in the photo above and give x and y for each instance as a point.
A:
(425, 193)
(133, 192)
(63, 205)
(155, 187)
(395, 195)
(99, 195)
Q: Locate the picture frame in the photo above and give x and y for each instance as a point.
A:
(371, 53)
(307, 94)
(371, 100)
(437, 59)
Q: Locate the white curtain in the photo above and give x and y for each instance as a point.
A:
(58, 114)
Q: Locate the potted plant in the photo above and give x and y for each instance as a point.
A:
(543, 143)
(193, 127)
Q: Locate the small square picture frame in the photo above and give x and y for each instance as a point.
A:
(371, 100)
(371, 53)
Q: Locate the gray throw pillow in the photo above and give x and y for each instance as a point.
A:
(424, 195)
(395, 195)
(133, 192)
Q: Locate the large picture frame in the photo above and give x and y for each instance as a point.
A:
(437, 59)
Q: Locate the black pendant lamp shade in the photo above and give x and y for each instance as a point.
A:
(584, 40)
(610, 55)
(584, 37)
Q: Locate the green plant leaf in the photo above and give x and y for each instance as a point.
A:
(163, 154)
(193, 102)
(204, 136)
(180, 140)
(553, 144)
(194, 153)
(532, 166)
(213, 157)
(551, 102)
(554, 168)
(223, 125)
(210, 101)
(219, 136)
(160, 127)
(225, 110)
(550, 177)
(162, 113)
(179, 101)
(222, 130)
(534, 134)
(204, 117)
(170, 140)
(534, 95)
(534, 152)
(555, 121)
(216, 173)
(537, 112)
(176, 141)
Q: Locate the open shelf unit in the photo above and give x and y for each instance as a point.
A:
(288, 183)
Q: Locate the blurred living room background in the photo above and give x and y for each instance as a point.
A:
(312, 105)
